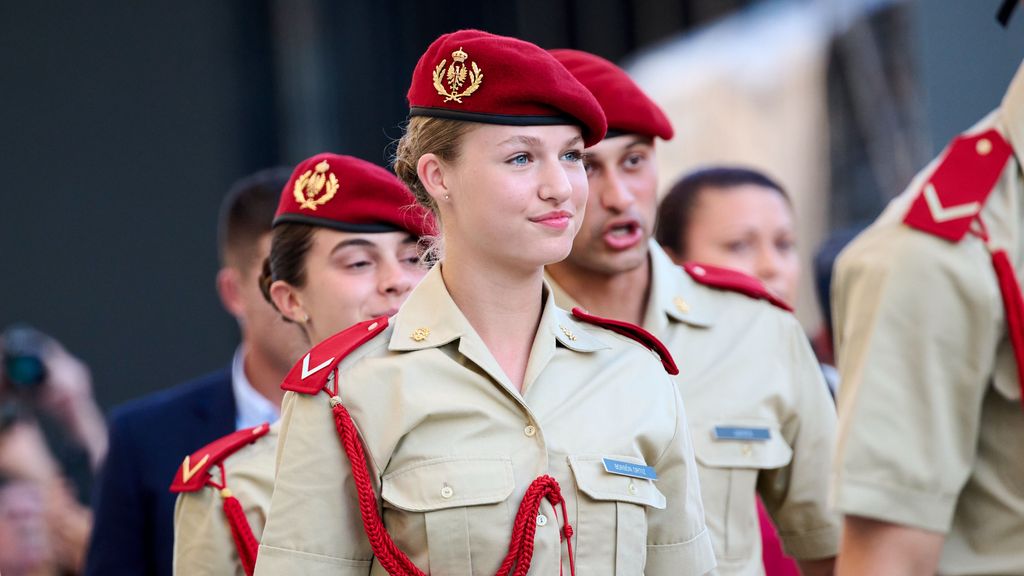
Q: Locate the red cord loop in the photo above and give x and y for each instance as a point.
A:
(241, 532)
(397, 563)
(1013, 300)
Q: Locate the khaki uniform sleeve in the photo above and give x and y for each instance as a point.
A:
(314, 526)
(678, 541)
(796, 495)
(202, 538)
(916, 325)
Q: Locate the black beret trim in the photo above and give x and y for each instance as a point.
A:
(615, 133)
(503, 119)
(368, 227)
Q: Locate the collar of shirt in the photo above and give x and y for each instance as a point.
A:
(252, 409)
(1012, 110)
(673, 295)
(430, 319)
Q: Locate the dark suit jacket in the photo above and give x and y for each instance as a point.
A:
(149, 437)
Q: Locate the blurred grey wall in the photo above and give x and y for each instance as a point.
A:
(966, 61)
(122, 125)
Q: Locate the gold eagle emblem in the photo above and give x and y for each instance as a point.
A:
(309, 186)
(456, 76)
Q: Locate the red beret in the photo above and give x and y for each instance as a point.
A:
(480, 77)
(628, 109)
(351, 195)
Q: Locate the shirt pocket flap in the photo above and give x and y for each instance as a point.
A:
(449, 483)
(599, 484)
(741, 444)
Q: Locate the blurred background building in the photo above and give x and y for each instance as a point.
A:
(123, 124)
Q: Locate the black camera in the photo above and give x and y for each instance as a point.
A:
(23, 351)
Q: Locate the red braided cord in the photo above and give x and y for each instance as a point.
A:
(245, 541)
(390, 557)
(1014, 308)
(396, 562)
(241, 532)
(1013, 300)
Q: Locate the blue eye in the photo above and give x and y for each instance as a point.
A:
(519, 160)
(573, 156)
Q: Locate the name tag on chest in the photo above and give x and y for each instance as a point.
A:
(744, 433)
(629, 469)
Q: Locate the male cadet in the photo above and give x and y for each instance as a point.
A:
(134, 511)
(930, 331)
(760, 415)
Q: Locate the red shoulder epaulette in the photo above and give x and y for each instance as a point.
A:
(631, 331)
(957, 190)
(195, 470)
(728, 279)
(309, 375)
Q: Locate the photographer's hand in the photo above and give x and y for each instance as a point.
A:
(67, 394)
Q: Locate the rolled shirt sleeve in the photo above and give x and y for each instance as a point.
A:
(917, 324)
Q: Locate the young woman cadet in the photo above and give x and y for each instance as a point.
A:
(489, 421)
(344, 249)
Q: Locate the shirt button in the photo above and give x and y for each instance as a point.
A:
(542, 520)
(530, 430)
(631, 488)
(747, 450)
(447, 492)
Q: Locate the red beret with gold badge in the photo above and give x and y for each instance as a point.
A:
(480, 77)
(351, 195)
(628, 109)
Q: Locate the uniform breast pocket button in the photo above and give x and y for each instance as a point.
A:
(530, 431)
(542, 520)
(632, 488)
(447, 492)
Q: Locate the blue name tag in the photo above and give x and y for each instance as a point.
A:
(742, 433)
(629, 469)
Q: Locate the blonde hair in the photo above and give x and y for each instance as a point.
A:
(427, 135)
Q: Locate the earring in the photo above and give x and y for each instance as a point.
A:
(305, 318)
(446, 197)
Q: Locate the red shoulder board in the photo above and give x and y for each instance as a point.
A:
(195, 470)
(729, 279)
(958, 188)
(309, 375)
(631, 331)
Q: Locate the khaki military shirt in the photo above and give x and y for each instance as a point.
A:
(931, 426)
(202, 538)
(453, 446)
(745, 367)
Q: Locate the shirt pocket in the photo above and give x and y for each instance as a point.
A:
(445, 505)
(611, 517)
(729, 462)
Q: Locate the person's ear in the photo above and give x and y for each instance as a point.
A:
(229, 289)
(288, 302)
(434, 175)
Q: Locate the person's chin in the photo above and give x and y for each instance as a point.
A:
(547, 252)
